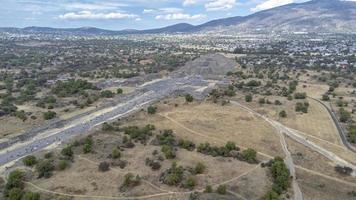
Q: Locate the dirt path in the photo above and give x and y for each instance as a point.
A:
(290, 164)
(300, 139)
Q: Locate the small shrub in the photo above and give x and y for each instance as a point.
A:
(115, 154)
(29, 161)
(104, 166)
(283, 114)
(221, 189)
(189, 98)
(208, 189)
(190, 183)
(62, 165)
(199, 168)
(151, 110)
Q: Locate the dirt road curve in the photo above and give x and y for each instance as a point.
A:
(340, 129)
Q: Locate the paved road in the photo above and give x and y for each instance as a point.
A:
(149, 94)
(340, 129)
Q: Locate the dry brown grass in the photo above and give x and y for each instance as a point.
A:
(315, 187)
(83, 177)
(216, 124)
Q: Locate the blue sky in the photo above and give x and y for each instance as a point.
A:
(125, 14)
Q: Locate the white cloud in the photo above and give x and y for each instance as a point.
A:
(145, 11)
(220, 5)
(271, 4)
(180, 16)
(168, 10)
(90, 15)
(189, 2)
(93, 6)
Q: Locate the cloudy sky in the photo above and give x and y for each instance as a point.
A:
(125, 14)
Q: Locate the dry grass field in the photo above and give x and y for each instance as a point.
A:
(84, 178)
(316, 187)
(216, 124)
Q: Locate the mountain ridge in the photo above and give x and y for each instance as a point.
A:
(312, 16)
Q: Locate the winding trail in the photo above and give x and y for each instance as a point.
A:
(300, 139)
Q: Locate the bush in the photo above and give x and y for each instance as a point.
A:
(221, 189)
(283, 114)
(67, 152)
(151, 110)
(249, 155)
(106, 127)
(140, 134)
(186, 144)
(44, 168)
(271, 195)
(31, 196)
(49, 115)
(199, 168)
(29, 161)
(345, 116)
(62, 165)
(15, 194)
(302, 107)
(300, 95)
(115, 154)
(352, 133)
(325, 97)
(190, 183)
(107, 94)
(87, 148)
(14, 180)
(174, 175)
(189, 98)
(119, 91)
(104, 166)
(168, 152)
(277, 103)
(130, 181)
(248, 98)
(230, 146)
(208, 189)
